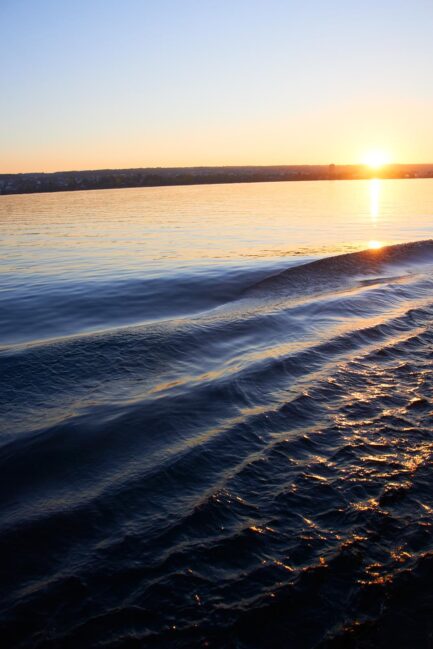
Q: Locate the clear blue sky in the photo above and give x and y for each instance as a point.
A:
(105, 83)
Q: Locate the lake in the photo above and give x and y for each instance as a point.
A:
(216, 416)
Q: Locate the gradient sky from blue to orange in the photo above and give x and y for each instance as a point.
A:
(125, 83)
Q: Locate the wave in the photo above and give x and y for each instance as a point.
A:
(43, 309)
(254, 474)
(322, 274)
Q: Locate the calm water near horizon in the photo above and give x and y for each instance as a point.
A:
(215, 430)
(78, 261)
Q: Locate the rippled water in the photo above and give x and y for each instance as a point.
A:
(216, 417)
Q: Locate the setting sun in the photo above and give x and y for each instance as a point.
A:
(376, 159)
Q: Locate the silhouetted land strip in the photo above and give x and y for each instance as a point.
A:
(29, 183)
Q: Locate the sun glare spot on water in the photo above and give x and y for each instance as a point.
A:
(374, 245)
(376, 159)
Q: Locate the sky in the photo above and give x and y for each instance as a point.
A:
(88, 84)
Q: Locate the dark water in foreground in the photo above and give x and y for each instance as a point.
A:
(249, 467)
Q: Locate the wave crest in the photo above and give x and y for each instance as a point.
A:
(341, 269)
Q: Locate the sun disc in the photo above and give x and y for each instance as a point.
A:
(376, 159)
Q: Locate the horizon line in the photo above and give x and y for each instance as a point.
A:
(221, 166)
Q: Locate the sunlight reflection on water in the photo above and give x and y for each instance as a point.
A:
(201, 430)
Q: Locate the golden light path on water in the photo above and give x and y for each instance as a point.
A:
(374, 198)
(374, 192)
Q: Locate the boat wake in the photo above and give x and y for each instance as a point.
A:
(254, 472)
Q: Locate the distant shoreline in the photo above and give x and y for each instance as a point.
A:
(31, 183)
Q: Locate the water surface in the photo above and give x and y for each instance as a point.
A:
(216, 421)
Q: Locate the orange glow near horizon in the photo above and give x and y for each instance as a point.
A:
(374, 245)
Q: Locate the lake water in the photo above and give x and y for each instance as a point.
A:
(216, 416)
